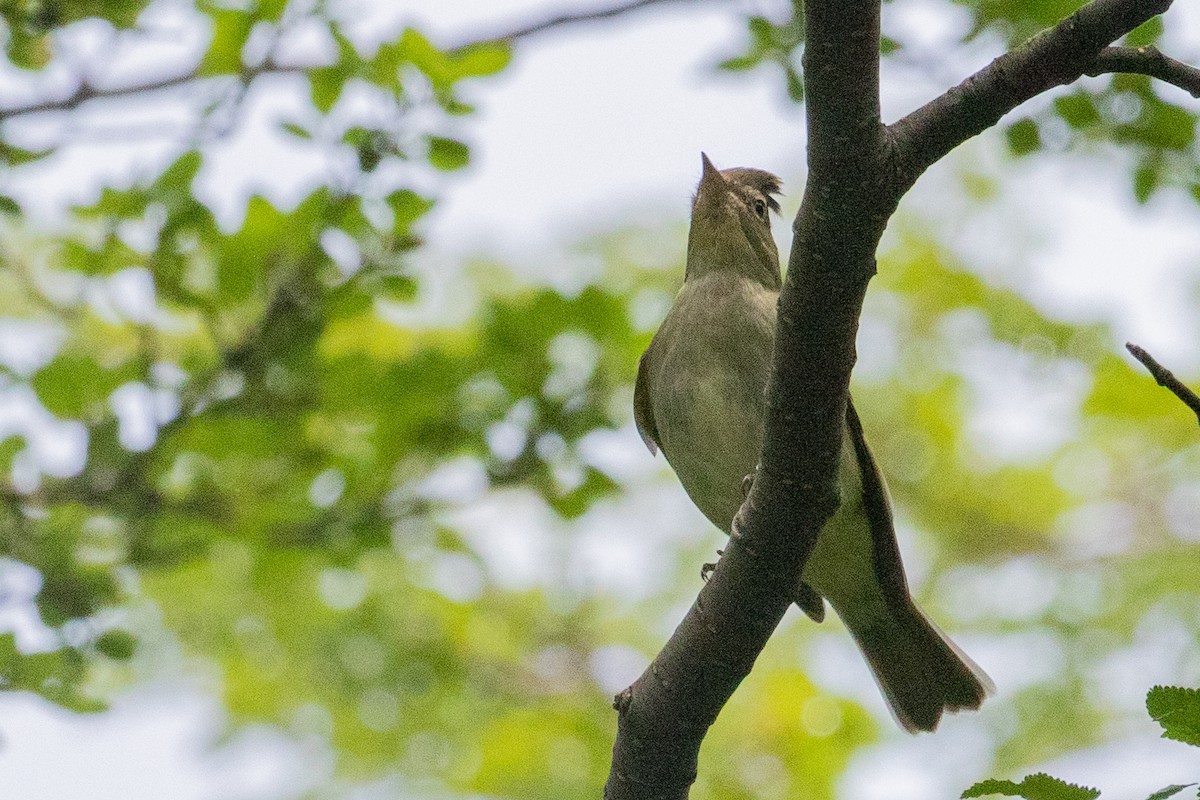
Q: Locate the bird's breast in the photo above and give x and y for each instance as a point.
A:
(716, 344)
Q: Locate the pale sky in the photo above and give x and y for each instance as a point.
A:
(593, 127)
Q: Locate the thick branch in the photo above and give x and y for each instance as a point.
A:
(1052, 58)
(1165, 378)
(1147, 61)
(665, 714)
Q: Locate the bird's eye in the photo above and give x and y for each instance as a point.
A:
(760, 208)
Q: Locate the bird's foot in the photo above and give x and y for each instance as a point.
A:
(706, 569)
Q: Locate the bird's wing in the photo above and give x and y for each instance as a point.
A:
(888, 567)
(643, 408)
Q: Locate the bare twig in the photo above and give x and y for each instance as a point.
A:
(1147, 61)
(86, 91)
(541, 26)
(1165, 378)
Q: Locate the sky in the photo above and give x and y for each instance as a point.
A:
(590, 128)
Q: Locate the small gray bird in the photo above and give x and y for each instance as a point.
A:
(700, 398)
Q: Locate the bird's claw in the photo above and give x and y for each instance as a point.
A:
(706, 569)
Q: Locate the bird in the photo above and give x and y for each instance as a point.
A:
(700, 398)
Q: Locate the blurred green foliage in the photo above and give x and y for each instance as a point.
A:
(278, 458)
(1176, 709)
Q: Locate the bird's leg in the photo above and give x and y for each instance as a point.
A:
(748, 483)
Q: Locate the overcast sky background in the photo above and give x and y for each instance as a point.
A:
(590, 128)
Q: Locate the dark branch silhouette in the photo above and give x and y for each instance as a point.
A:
(1165, 378)
(1053, 58)
(1147, 61)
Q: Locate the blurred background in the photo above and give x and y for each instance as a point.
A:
(320, 324)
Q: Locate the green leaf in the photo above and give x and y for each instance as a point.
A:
(75, 386)
(270, 9)
(400, 288)
(1160, 125)
(117, 644)
(448, 154)
(1145, 34)
(414, 48)
(407, 207)
(795, 85)
(762, 32)
(181, 173)
(1168, 791)
(15, 156)
(299, 131)
(1145, 181)
(1177, 710)
(479, 60)
(1077, 110)
(739, 63)
(231, 29)
(326, 83)
(1035, 787)
(1023, 137)
(9, 206)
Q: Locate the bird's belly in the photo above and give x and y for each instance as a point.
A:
(714, 411)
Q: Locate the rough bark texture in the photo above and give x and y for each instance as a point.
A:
(858, 171)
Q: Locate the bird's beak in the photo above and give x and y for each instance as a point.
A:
(712, 185)
(709, 176)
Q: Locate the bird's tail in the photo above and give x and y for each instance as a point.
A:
(920, 671)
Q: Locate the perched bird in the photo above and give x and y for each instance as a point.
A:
(700, 398)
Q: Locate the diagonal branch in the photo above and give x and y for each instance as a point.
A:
(1147, 61)
(1054, 57)
(666, 713)
(1165, 378)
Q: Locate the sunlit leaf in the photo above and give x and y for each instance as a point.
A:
(1034, 787)
(1177, 710)
(448, 154)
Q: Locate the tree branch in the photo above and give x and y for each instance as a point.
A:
(665, 714)
(1054, 57)
(86, 91)
(1165, 378)
(1147, 61)
(573, 18)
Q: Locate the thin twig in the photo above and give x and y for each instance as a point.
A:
(541, 26)
(1147, 61)
(86, 91)
(1164, 377)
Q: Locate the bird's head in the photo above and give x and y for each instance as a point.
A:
(731, 225)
